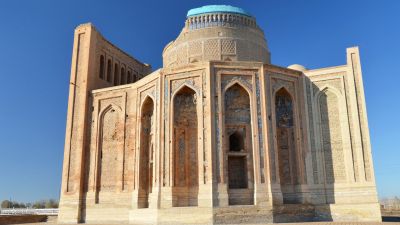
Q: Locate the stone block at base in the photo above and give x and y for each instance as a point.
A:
(290, 213)
(143, 216)
(99, 214)
(349, 212)
(243, 215)
(175, 215)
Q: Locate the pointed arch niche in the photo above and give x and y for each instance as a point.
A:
(238, 146)
(286, 144)
(146, 152)
(185, 148)
(331, 136)
(110, 150)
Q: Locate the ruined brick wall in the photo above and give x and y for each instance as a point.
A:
(104, 168)
(115, 67)
(111, 146)
(94, 58)
(121, 158)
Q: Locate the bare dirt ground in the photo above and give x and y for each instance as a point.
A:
(388, 220)
(312, 223)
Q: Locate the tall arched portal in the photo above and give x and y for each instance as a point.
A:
(238, 150)
(110, 148)
(146, 152)
(185, 150)
(286, 143)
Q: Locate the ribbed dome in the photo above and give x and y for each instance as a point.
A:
(217, 32)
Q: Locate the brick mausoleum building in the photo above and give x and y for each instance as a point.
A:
(218, 135)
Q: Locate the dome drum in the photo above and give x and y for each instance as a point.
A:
(219, 20)
(222, 33)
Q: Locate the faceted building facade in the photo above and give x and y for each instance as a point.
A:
(218, 135)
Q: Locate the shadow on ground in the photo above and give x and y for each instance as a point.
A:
(390, 218)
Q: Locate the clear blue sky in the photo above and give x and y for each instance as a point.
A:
(35, 57)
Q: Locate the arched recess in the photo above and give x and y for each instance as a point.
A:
(331, 136)
(135, 76)
(116, 74)
(110, 146)
(101, 69)
(285, 128)
(109, 70)
(123, 78)
(185, 148)
(238, 145)
(146, 152)
(129, 78)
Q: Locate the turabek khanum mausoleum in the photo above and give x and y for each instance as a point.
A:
(217, 135)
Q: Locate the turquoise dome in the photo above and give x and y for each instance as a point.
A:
(216, 8)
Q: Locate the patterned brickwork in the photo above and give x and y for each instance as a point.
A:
(182, 55)
(238, 147)
(335, 170)
(212, 50)
(185, 148)
(312, 132)
(228, 47)
(195, 48)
